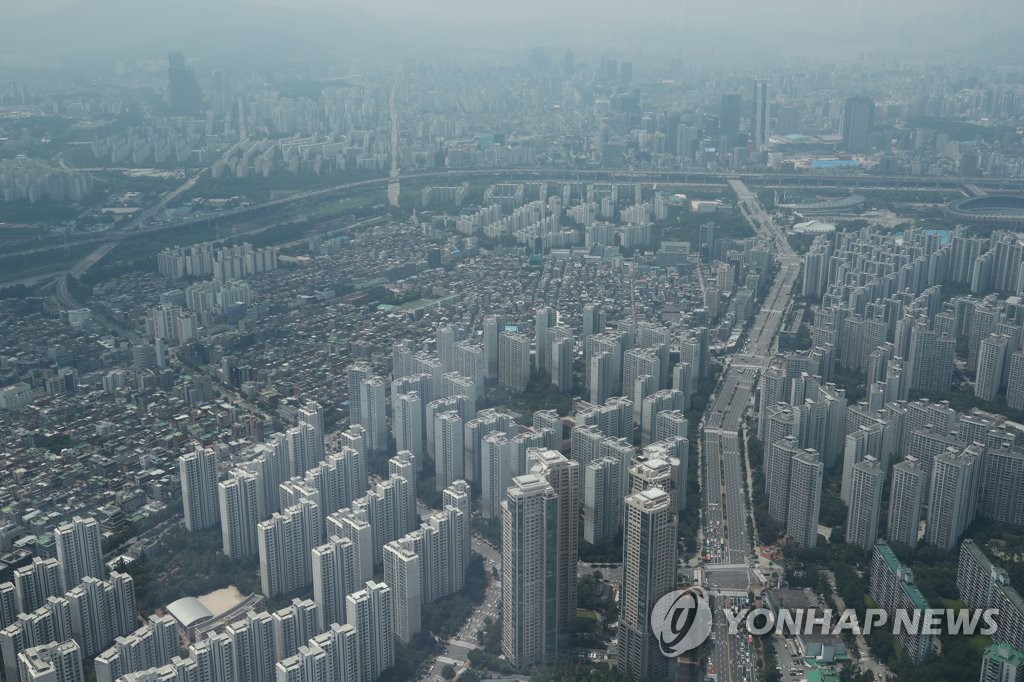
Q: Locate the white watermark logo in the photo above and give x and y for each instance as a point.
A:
(764, 621)
(681, 620)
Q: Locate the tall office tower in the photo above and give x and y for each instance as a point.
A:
(1002, 663)
(563, 475)
(336, 573)
(445, 338)
(358, 372)
(53, 662)
(991, 363)
(804, 499)
(514, 361)
(543, 319)
(905, 500)
(953, 495)
(402, 573)
(354, 524)
(496, 473)
(369, 610)
(34, 584)
(602, 499)
(857, 124)
(762, 117)
(729, 117)
(469, 362)
(183, 92)
(238, 499)
(599, 378)
(401, 360)
(1015, 384)
(404, 465)
(492, 328)
(648, 573)
(930, 364)
(79, 550)
(285, 541)
(593, 322)
(198, 471)
(561, 351)
(293, 625)
(373, 398)
(865, 503)
(529, 598)
(670, 424)
(1002, 498)
(312, 413)
(449, 450)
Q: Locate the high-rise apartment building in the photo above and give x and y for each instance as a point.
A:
(563, 475)
(953, 495)
(602, 500)
(865, 503)
(79, 550)
(514, 361)
(336, 574)
(285, 542)
(905, 500)
(648, 573)
(198, 471)
(805, 472)
(449, 449)
(238, 500)
(369, 610)
(529, 597)
(402, 568)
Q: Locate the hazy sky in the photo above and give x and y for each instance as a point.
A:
(69, 26)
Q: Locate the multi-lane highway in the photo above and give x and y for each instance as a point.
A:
(726, 507)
